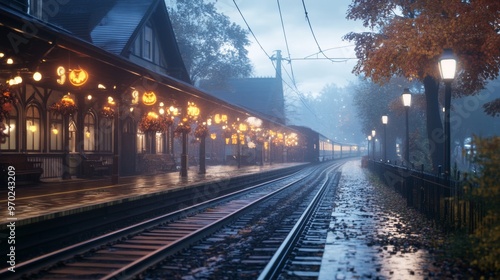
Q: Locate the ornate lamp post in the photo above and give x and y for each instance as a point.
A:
(201, 132)
(369, 140)
(240, 130)
(373, 144)
(385, 119)
(407, 103)
(184, 128)
(447, 68)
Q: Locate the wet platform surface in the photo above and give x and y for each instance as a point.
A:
(373, 235)
(55, 197)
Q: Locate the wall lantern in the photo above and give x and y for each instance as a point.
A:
(32, 127)
(87, 133)
(78, 77)
(149, 98)
(55, 130)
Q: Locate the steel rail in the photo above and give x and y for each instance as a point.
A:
(70, 251)
(278, 260)
(158, 255)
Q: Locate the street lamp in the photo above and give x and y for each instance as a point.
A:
(373, 144)
(407, 103)
(447, 68)
(369, 140)
(385, 119)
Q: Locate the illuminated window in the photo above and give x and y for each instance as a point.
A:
(10, 130)
(89, 132)
(56, 133)
(141, 144)
(33, 135)
(159, 142)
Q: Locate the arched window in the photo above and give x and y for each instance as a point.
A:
(56, 133)
(9, 130)
(106, 134)
(141, 141)
(159, 142)
(89, 132)
(33, 131)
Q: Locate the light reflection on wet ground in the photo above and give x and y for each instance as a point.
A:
(55, 195)
(368, 241)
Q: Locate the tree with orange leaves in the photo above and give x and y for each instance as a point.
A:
(408, 36)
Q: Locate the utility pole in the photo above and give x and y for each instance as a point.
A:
(279, 83)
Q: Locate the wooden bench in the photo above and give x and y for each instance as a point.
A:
(24, 170)
(155, 163)
(93, 167)
(168, 163)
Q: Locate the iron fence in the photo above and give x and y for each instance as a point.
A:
(440, 199)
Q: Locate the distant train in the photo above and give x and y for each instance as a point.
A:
(319, 148)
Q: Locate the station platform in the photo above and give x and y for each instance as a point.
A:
(373, 235)
(57, 197)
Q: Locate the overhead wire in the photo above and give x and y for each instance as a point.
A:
(286, 43)
(294, 89)
(313, 34)
(250, 29)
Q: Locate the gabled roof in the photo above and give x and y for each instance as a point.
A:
(262, 95)
(114, 25)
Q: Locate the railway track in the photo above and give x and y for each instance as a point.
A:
(45, 236)
(129, 251)
(283, 237)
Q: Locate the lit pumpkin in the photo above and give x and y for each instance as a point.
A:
(149, 98)
(78, 77)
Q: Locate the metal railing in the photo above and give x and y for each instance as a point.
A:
(440, 199)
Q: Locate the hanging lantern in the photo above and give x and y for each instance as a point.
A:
(78, 77)
(149, 98)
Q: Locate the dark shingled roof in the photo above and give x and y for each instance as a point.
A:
(113, 25)
(108, 24)
(262, 95)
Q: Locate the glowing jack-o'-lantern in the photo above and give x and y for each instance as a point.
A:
(149, 98)
(78, 77)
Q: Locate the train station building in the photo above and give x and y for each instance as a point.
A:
(94, 87)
